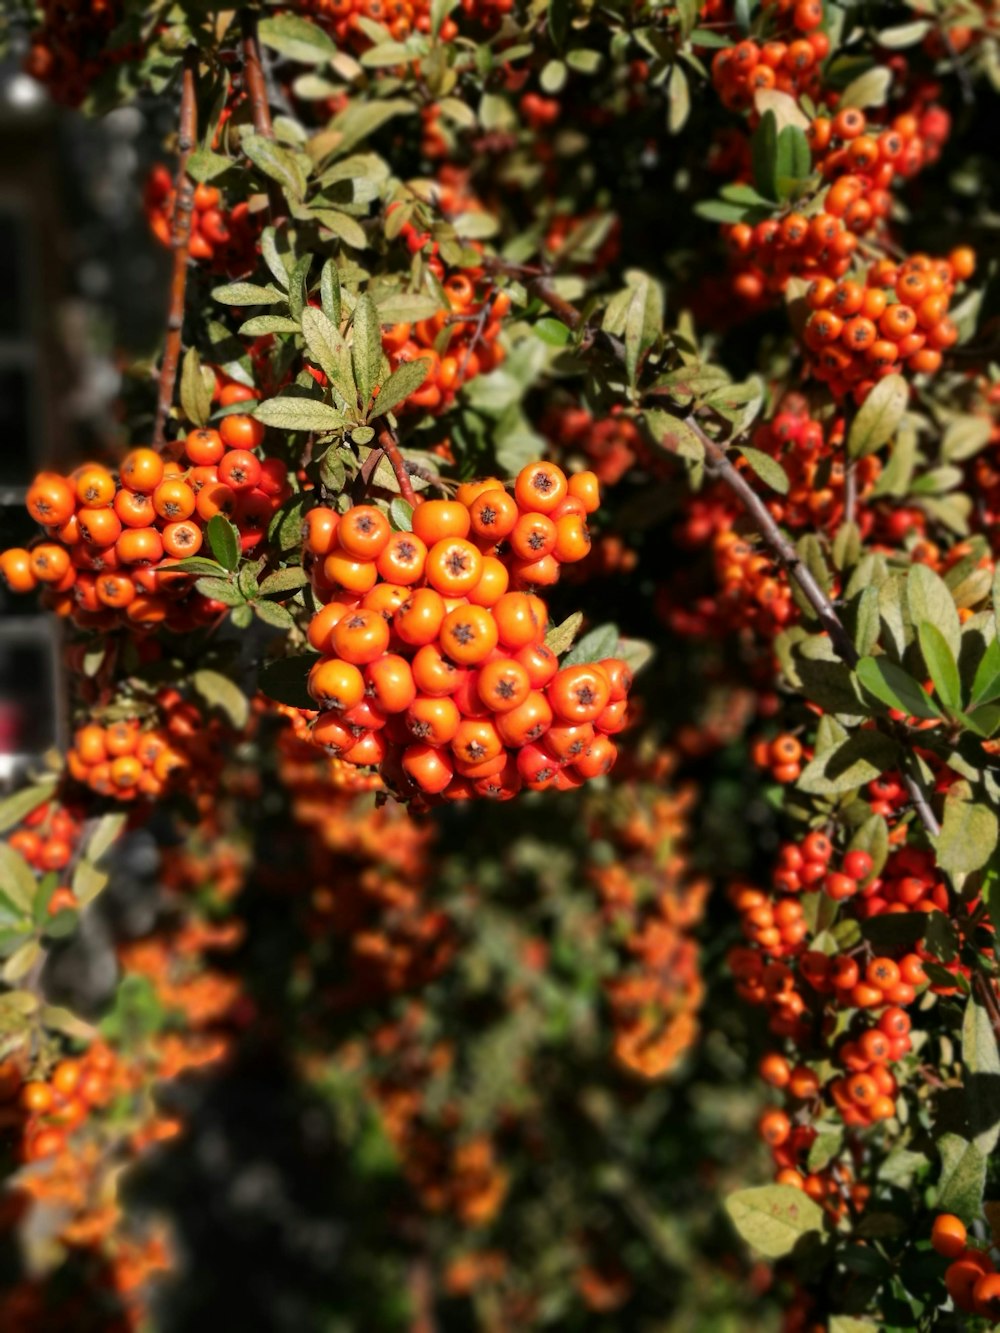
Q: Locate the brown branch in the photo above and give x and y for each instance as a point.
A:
(180, 231)
(256, 84)
(388, 444)
(717, 464)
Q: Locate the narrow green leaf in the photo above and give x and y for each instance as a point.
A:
(941, 664)
(767, 468)
(289, 412)
(366, 349)
(401, 514)
(329, 292)
(14, 808)
(404, 380)
(894, 687)
(878, 417)
(223, 540)
(220, 692)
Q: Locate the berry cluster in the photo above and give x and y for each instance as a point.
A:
(653, 905)
(129, 760)
(345, 20)
(74, 43)
(47, 836)
(434, 672)
(858, 332)
(224, 238)
(971, 1279)
(460, 342)
(111, 538)
(738, 72)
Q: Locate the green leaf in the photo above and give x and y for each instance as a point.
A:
(868, 89)
(401, 514)
(17, 880)
(261, 324)
(965, 437)
(904, 34)
(284, 680)
(552, 331)
(348, 229)
(88, 882)
(963, 1177)
(284, 581)
(220, 692)
(986, 684)
(289, 412)
(895, 688)
(203, 165)
(297, 38)
(969, 831)
(246, 293)
(981, 1062)
(224, 541)
(793, 161)
(197, 564)
(62, 924)
(764, 155)
(329, 292)
(330, 352)
(19, 964)
(859, 759)
(14, 808)
(108, 830)
(878, 417)
(774, 1218)
(57, 1019)
(560, 639)
(406, 307)
(404, 380)
(635, 653)
(197, 385)
(220, 590)
(366, 349)
(768, 469)
(678, 99)
(279, 617)
(280, 164)
(930, 599)
(941, 664)
(674, 434)
(594, 646)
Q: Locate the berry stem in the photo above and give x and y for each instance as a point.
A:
(181, 236)
(388, 444)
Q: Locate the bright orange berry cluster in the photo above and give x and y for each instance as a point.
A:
(738, 72)
(111, 538)
(47, 837)
(61, 1103)
(225, 238)
(344, 19)
(139, 758)
(434, 667)
(858, 332)
(971, 1278)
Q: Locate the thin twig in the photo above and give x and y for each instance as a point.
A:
(253, 73)
(180, 232)
(718, 465)
(390, 447)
